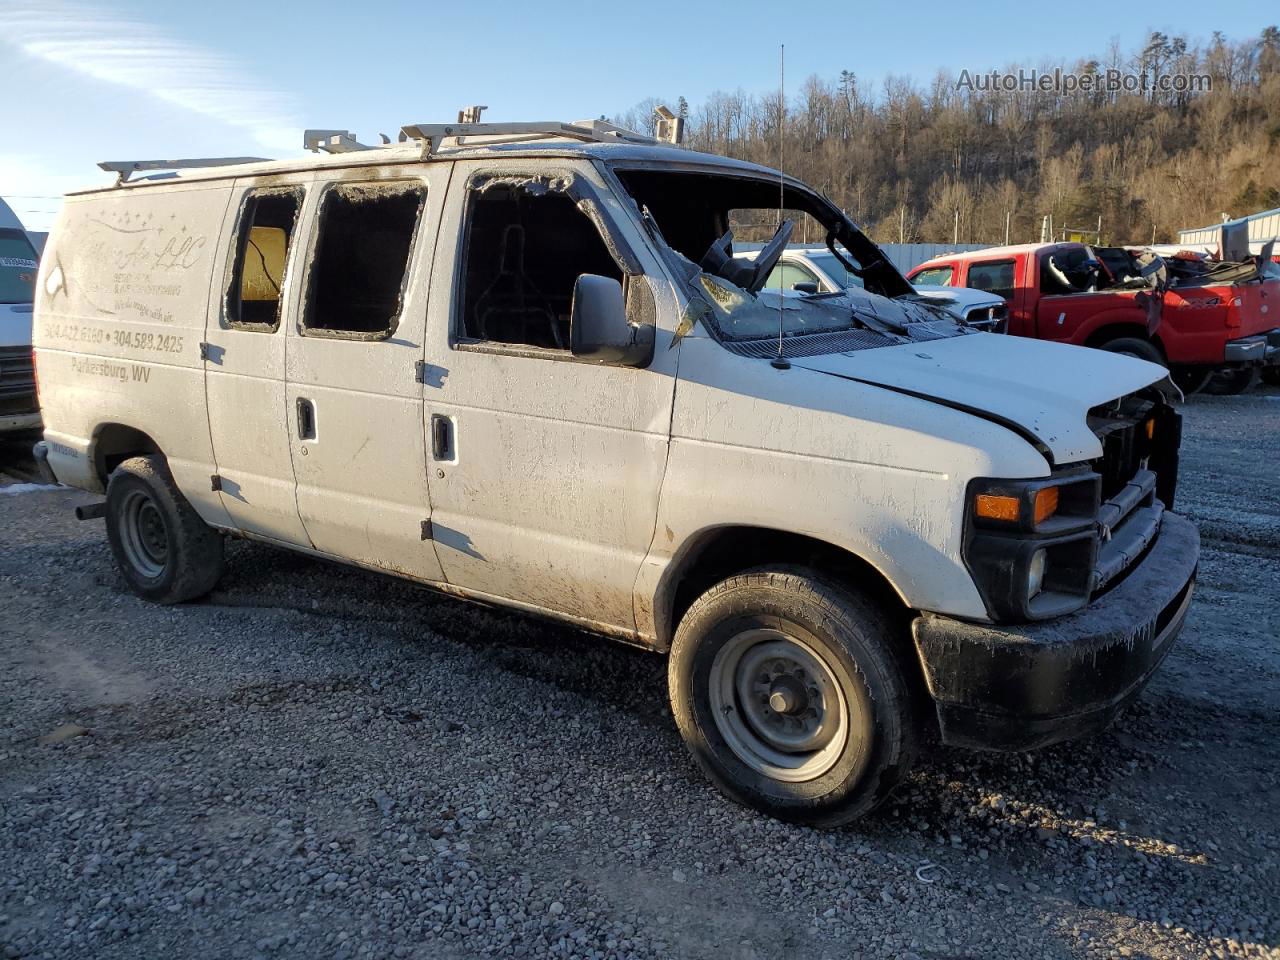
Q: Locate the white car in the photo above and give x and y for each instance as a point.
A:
(521, 364)
(17, 286)
(817, 270)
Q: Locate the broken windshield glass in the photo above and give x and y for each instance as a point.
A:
(698, 215)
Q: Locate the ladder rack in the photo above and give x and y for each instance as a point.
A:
(124, 168)
(431, 135)
(587, 131)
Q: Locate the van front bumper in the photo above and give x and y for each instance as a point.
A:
(1027, 686)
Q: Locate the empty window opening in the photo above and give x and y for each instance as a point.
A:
(1065, 271)
(524, 253)
(693, 209)
(266, 229)
(361, 257)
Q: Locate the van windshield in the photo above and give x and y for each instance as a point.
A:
(17, 267)
(712, 218)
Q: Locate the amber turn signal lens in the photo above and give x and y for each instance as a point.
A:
(1046, 504)
(1151, 429)
(995, 507)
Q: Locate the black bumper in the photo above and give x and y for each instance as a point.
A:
(1030, 685)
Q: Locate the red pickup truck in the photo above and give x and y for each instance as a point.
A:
(1195, 316)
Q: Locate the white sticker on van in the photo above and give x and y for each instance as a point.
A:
(18, 262)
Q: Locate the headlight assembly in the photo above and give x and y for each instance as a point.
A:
(1031, 544)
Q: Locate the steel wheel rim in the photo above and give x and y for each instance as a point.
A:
(778, 705)
(143, 534)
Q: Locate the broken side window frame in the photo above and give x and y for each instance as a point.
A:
(309, 279)
(639, 296)
(236, 251)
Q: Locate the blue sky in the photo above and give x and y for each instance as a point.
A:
(89, 81)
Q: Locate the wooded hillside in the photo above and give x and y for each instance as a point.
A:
(906, 162)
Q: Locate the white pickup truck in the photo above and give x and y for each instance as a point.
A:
(807, 269)
(521, 364)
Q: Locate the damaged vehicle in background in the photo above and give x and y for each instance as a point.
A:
(818, 270)
(525, 365)
(1194, 315)
(19, 410)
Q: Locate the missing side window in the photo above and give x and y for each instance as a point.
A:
(266, 229)
(361, 257)
(525, 250)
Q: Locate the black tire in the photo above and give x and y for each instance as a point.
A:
(1133, 347)
(854, 641)
(165, 552)
(1229, 382)
(1191, 379)
(1271, 375)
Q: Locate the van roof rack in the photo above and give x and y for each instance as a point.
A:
(334, 141)
(587, 131)
(123, 168)
(430, 135)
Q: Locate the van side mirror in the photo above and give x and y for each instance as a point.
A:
(805, 286)
(599, 327)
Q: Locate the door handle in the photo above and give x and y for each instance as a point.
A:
(441, 437)
(306, 419)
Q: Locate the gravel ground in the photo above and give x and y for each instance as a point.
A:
(318, 762)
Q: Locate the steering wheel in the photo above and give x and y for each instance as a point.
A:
(770, 256)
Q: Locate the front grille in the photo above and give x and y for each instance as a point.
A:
(12, 406)
(1122, 456)
(1138, 470)
(17, 380)
(1121, 426)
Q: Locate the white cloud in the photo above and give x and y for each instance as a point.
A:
(108, 46)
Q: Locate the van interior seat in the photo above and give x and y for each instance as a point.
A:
(512, 309)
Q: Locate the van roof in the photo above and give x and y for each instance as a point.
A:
(411, 152)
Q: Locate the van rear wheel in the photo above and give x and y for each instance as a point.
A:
(787, 692)
(165, 552)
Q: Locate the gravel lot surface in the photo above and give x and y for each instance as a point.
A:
(318, 762)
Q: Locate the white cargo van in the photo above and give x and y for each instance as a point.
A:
(521, 364)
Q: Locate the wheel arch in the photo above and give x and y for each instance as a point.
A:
(113, 443)
(716, 553)
(1115, 330)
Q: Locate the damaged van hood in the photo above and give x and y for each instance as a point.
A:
(1043, 391)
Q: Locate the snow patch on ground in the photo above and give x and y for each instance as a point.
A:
(29, 487)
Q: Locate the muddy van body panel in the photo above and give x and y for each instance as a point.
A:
(850, 464)
(122, 298)
(548, 491)
(362, 482)
(245, 386)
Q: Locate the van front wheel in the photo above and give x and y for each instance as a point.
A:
(787, 692)
(165, 552)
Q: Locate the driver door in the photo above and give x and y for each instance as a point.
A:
(544, 470)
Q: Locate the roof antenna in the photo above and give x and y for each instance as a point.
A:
(780, 362)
